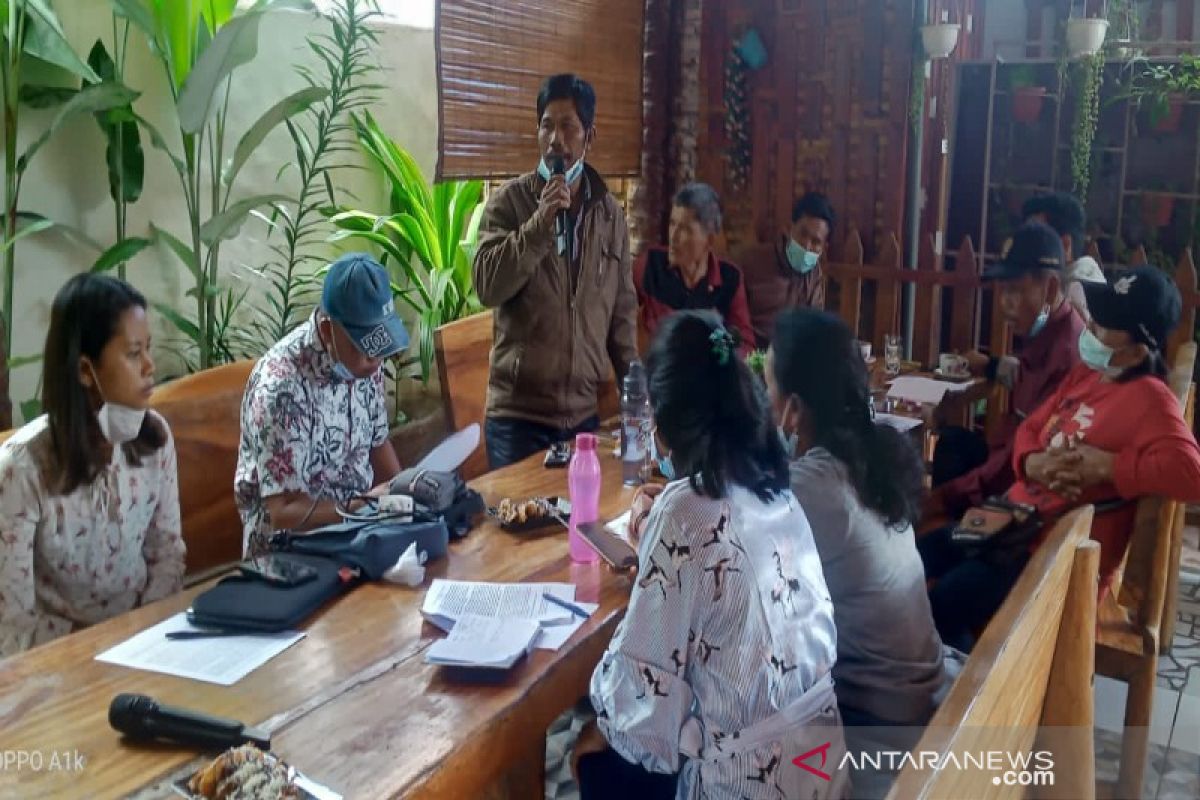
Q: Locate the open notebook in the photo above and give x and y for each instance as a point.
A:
(484, 642)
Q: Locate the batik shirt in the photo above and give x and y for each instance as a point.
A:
(71, 560)
(729, 621)
(304, 429)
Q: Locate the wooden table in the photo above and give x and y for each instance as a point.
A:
(352, 705)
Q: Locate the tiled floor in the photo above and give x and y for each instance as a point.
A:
(1173, 767)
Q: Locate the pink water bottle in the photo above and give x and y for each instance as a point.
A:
(583, 478)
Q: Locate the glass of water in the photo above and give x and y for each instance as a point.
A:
(891, 354)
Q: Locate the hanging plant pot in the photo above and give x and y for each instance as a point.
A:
(1027, 102)
(1085, 36)
(939, 40)
(1168, 120)
(1157, 209)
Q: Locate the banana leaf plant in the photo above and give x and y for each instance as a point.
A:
(425, 239)
(32, 42)
(200, 44)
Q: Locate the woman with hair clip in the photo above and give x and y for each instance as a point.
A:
(720, 672)
(859, 483)
(89, 497)
(1111, 433)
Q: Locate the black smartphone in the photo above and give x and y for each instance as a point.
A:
(279, 571)
(559, 455)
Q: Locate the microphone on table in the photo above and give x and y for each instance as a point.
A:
(562, 225)
(141, 717)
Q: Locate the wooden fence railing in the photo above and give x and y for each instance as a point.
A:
(962, 288)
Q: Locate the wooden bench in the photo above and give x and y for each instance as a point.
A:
(464, 350)
(204, 412)
(1029, 674)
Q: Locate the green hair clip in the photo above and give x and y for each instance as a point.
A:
(722, 345)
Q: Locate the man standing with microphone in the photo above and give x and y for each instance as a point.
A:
(553, 261)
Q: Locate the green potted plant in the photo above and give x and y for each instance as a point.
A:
(1028, 95)
(1163, 89)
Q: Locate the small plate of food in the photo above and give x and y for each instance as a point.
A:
(532, 513)
(246, 772)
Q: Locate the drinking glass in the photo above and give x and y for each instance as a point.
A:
(891, 354)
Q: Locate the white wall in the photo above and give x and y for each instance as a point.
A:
(68, 180)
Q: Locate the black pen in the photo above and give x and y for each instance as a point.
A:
(185, 635)
(574, 609)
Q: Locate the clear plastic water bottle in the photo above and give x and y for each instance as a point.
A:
(635, 426)
(583, 479)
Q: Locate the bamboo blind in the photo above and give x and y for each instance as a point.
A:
(492, 57)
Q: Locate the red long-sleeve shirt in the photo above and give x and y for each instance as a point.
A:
(661, 292)
(1141, 423)
(1045, 361)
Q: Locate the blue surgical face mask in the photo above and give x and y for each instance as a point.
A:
(1039, 323)
(665, 465)
(800, 258)
(572, 175)
(1095, 353)
(339, 369)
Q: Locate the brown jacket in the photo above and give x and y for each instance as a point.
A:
(553, 347)
(772, 286)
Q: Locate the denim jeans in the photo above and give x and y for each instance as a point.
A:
(513, 440)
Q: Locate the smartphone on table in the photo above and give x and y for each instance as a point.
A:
(278, 571)
(559, 455)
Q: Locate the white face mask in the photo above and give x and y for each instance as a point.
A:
(118, 423)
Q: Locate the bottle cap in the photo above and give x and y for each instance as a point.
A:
(585, 441)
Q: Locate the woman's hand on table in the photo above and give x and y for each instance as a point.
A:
(639, 511)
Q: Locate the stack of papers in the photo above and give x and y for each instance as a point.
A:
(499, 614)
(484, 642)
(926, 391)
(902, 424)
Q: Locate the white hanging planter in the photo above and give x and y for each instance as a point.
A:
(939, 40)
(1085, 36)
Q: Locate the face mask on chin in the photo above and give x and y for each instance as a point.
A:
(118, 423)
(572, 174)
(1096, 354)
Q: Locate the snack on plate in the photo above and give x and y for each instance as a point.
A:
(245, 773)
(518, 512)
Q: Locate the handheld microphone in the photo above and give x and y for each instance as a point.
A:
(141, 717)
(562, 225)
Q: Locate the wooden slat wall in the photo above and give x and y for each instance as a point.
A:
(829, 112)
(492, 58)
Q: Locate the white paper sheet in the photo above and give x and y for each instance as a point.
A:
(619, 527)
(447, 600)
(223, 660)
(902, 424)
(926, 391)
(555, 636)
(453, 451)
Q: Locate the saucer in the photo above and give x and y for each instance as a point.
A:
(952, 376)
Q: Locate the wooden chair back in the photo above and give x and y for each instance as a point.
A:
(204, 412)
(464, 352)
(1032, 668)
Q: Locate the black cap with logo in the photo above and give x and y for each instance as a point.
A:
(1142, 301)
(1034, 247)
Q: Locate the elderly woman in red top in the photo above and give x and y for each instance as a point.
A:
(688, 274)
(1113, 431)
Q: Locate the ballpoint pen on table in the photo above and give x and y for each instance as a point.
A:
(574, 609)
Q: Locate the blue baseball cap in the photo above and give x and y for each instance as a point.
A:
(358, 296)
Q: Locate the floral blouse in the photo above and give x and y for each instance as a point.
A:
(729, 622)
(69, 561)
(304, 429)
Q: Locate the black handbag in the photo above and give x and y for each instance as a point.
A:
(999, 531)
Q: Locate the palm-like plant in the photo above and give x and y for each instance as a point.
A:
(426, 238)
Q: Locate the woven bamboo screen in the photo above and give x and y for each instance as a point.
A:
(492, 58)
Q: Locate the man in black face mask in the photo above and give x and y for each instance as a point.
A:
(565, 306)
